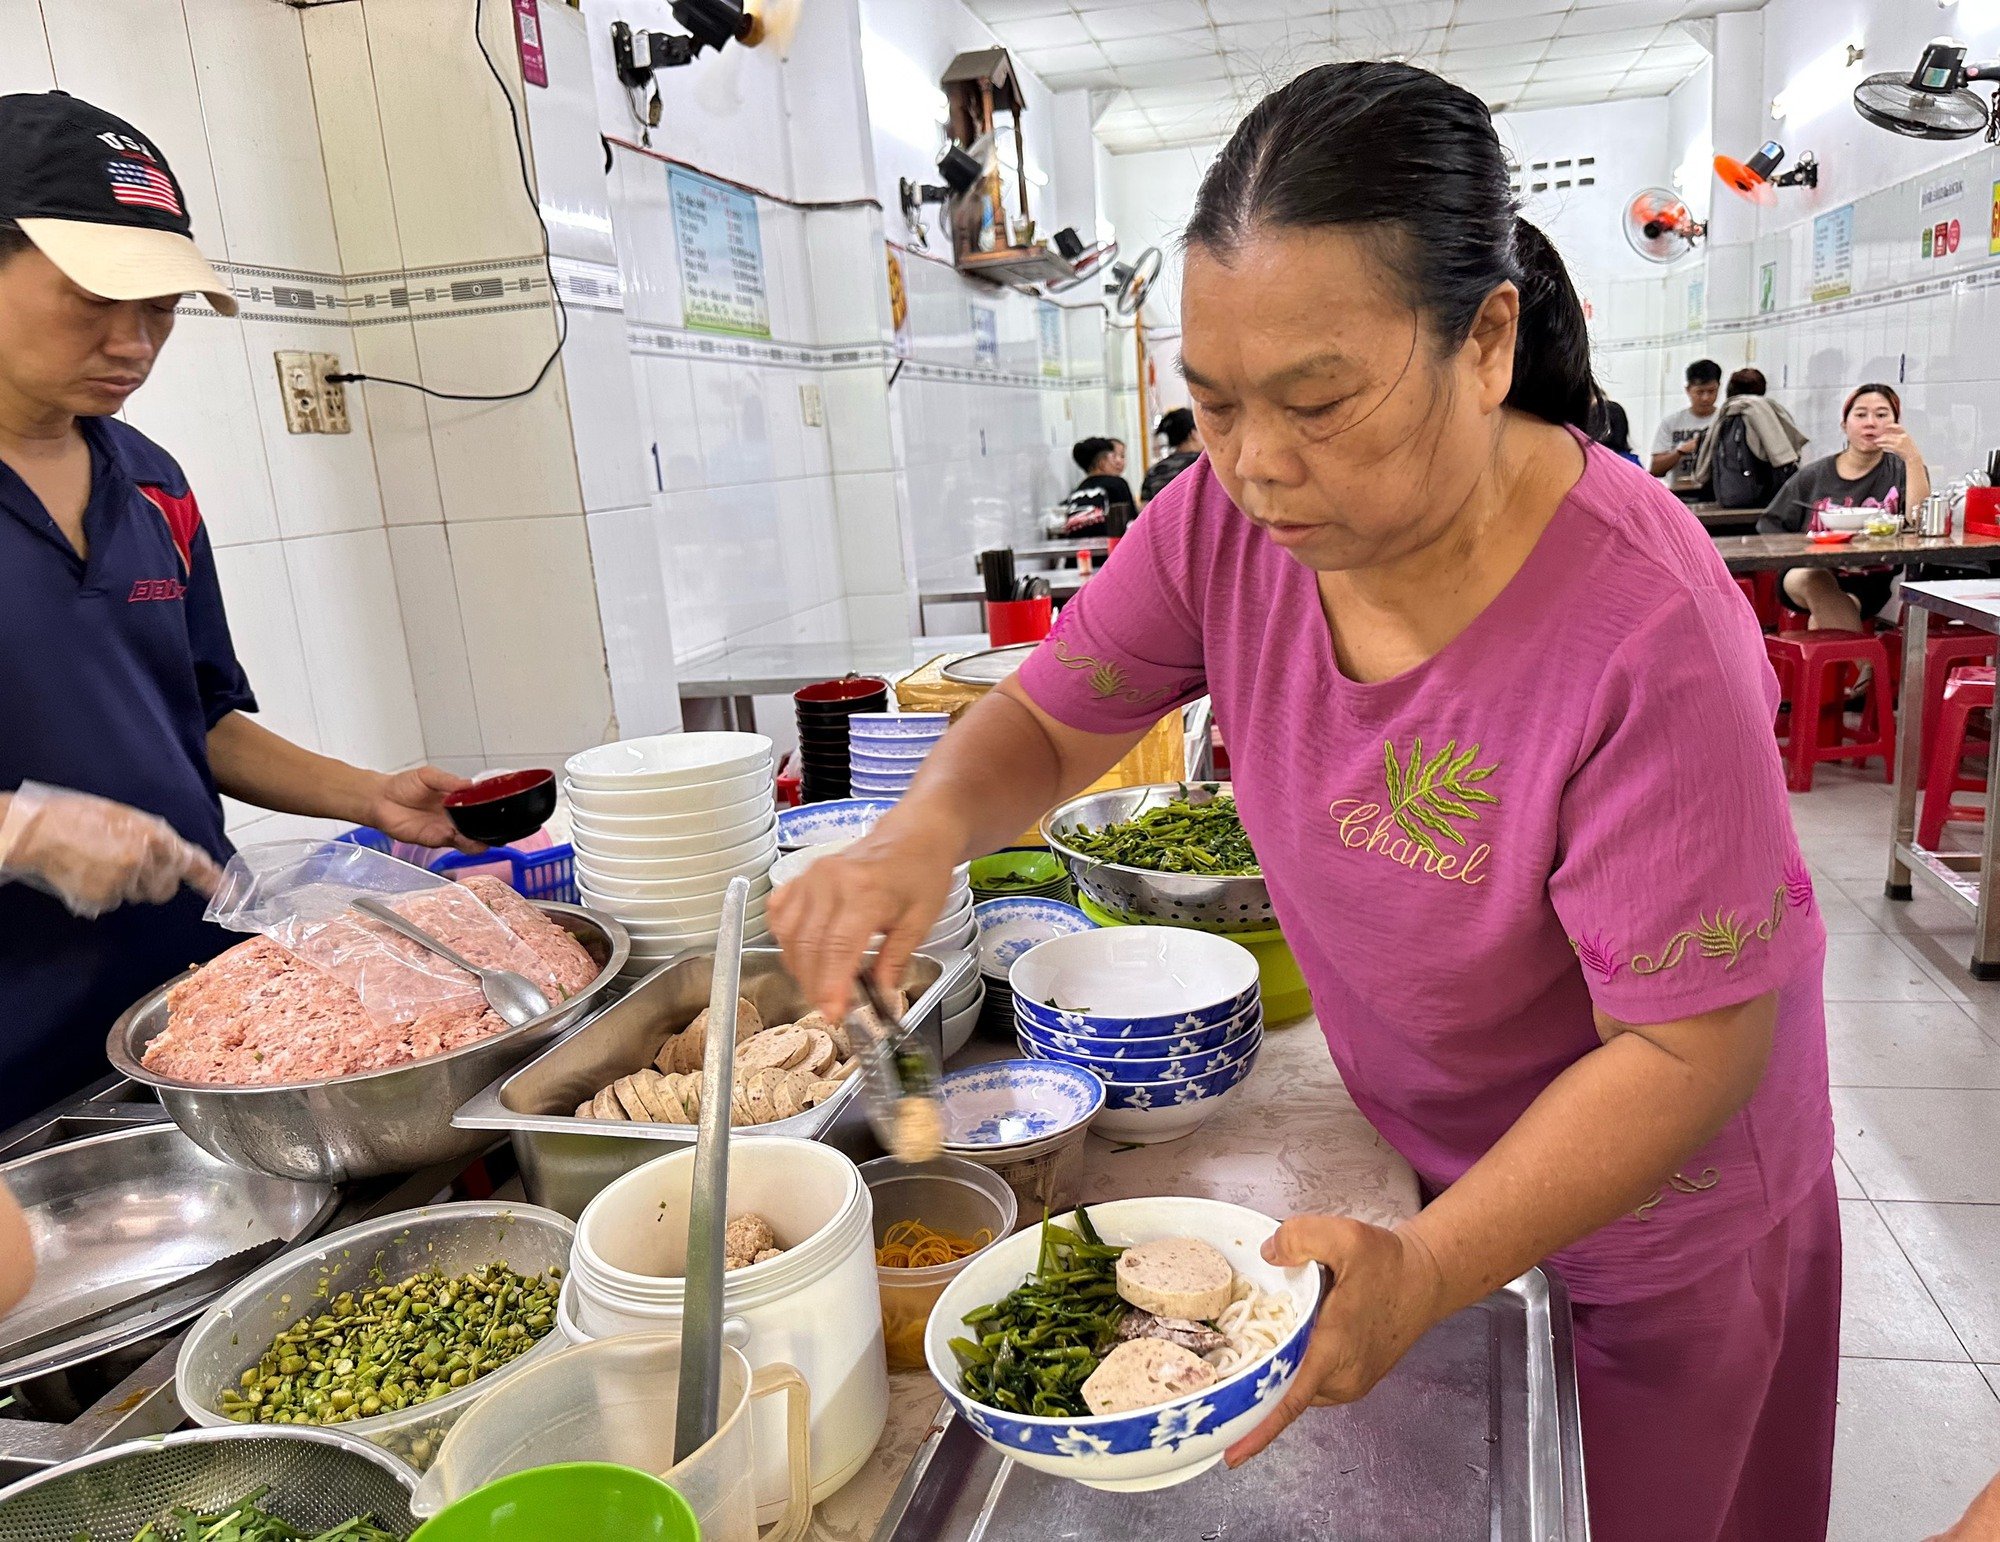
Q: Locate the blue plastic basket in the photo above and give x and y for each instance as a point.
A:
(548, 874)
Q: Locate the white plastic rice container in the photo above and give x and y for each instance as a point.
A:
(818, 1307)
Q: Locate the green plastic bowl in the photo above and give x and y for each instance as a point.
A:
(1008, 873)
(568, 1502)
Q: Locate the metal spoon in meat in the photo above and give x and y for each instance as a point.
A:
(515, 997)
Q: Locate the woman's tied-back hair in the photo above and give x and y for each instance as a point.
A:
(1402, 153)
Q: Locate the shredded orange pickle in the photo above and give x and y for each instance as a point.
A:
(913, 1245)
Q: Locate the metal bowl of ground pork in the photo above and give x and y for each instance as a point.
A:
(370, 1123)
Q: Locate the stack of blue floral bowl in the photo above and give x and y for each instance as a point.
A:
(884, 750)
(1170, 1020)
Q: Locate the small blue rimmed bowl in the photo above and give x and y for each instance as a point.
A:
(814, 824)
(865, 762)
(1009, 927)
(1015, 1102)
(1116, 1069)
(1134, 982)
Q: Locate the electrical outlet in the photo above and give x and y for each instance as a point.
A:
(332, 395)
(812, 405)
(313, 404)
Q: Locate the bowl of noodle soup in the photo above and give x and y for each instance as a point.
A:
(1267, 1323)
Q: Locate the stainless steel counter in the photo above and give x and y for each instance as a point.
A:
(1290, 1141)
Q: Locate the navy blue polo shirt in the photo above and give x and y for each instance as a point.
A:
(112, 672)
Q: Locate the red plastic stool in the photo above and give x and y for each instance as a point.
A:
(1968, 690)
(1948, 651)
(1803, 661)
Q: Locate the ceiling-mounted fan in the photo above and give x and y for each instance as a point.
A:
(1758, 179)
(1660, 226)
(1935, 100)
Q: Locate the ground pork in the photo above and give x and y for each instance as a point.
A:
(257, 1014)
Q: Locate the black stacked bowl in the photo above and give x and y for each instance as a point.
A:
(823, 711)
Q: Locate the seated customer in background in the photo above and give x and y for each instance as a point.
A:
(1880, 468)
(1752, 448)
(1678, 441)
(1611, 427)
(1102, 462)
(1183, 450)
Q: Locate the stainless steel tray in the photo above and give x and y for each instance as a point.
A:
(116, 1213)
(372, 1123)
(565, 1161)
(1474, 1437)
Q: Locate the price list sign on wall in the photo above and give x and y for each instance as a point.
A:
(721, 254)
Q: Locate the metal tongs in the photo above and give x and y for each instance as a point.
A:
(899, 1074)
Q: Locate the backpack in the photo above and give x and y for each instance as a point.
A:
(1743, 478)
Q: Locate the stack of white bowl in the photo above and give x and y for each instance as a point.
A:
(662, 824)
(884, 750)
(954, 934)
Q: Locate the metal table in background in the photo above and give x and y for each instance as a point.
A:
(1055, 551)
(1062, 586)
(736, 675)
(1958, 876)
(1768, 553)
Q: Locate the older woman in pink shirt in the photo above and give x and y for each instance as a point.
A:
(1501, 726)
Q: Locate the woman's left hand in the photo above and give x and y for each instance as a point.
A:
(1897, 441)
(409, 806)
(1387, 1293)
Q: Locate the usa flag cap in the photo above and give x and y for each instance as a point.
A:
(99, 200)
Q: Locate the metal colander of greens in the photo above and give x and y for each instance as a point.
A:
(1206, 839)
(248, 1521)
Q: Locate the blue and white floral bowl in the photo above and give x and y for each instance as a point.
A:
(1009, 927)
(814, 824)
(1015, 1102)
(1149, 1448)
(1089, 1049)
(923, 726)
(1115, 1070)
(1134, 982)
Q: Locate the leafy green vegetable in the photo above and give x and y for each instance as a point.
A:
(1177, 837)
(248, 1521)
(1038, 1344)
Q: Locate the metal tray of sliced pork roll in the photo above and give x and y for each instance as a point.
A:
(1473, 1437)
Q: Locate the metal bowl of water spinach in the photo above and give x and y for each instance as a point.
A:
(1171, 854)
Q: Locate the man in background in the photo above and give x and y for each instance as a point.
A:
(1183, 440)
(1679, 439)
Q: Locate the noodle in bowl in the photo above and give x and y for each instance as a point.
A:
(1266, 1322)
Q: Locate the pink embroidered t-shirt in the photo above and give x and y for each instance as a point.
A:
(1578, 800)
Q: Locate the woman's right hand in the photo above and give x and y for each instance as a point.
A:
(894, 884)
(96, 855)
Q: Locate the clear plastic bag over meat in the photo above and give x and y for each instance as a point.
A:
(298, 894)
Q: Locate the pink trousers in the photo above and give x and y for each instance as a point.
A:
(1708, 1411)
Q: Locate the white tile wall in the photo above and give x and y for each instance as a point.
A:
(343, 590)
(440, 663)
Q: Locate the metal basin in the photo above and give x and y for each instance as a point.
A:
(372, 1123)
(1143, 895)
(565, 1160)
(452, 1238)
(317, 1479)
(114, 1214)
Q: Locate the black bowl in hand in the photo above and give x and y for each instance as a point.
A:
(499, 809)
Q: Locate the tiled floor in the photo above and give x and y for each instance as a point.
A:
(1914, 1044)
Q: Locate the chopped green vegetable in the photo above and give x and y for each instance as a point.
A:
(1177, 837)
(1038, 1344)
(248, 1521)
(395, 1346)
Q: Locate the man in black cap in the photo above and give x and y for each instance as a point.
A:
(123, 703)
